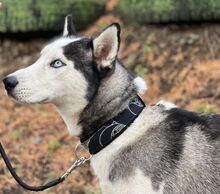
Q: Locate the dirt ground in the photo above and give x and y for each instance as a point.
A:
(180, 64)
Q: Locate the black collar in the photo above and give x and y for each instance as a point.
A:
(110, 130)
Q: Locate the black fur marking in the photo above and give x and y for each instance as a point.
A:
(107, 71)
(106, 106)
(174, 132)
(185, 117)
(118, 32)
(176, 123)
(209, 123)
(81, 53)
(212, 127)
(88, 126)
(158, 153)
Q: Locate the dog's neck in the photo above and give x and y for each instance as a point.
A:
(113, 96)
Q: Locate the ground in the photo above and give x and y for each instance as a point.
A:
(180, 64)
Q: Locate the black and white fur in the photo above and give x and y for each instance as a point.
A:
(166, 150)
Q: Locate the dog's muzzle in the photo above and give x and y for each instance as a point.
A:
(10, 83)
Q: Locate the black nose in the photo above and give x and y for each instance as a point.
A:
(10, 83)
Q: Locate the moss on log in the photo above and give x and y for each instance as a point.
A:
(47, 15)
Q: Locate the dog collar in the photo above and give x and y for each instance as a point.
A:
(110, 130)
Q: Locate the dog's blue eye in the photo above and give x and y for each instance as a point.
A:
(57, 63)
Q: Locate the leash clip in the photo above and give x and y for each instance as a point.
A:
(75, 165)
(79, 162)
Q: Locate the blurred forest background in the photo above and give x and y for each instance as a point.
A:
(173, 44)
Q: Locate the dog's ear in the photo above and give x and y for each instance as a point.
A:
(106, 45)
(69, 28)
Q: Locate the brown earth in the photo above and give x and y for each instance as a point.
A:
(180, 64)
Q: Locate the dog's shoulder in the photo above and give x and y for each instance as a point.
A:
(184, 116)
(209, 123)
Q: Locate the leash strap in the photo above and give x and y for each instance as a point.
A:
(103, 136)
(52, 183)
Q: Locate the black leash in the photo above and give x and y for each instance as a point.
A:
(102, 137)
(52, 183)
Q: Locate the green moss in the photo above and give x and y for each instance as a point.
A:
(205, 108)
(53, 145)
(140, 70)
(16, 134)
(40, 15)
(162, 7)
(162, 11)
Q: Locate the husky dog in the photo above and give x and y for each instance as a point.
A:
(165, 150)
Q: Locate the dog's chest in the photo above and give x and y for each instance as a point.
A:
(136, 182)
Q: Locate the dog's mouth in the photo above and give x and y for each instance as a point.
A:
(22, 101)
(26, 99)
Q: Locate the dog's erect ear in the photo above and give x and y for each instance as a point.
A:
(69, 28)
(106, 45)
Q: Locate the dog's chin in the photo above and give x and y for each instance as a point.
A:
(29, 101)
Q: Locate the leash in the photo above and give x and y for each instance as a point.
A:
(103, 136)
(52, 183)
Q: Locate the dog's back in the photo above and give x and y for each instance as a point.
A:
(180, 155)
(197, 166)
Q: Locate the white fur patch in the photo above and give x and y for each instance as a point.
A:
(61, 42)
(137, 184)
(65, 87)
(65, 31)
(140, 84)
(167, 105)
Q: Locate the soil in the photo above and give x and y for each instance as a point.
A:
(180, 64)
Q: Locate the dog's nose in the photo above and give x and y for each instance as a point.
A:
(10, 83)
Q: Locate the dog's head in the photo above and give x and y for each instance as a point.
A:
(69, 65)
(68, 71)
